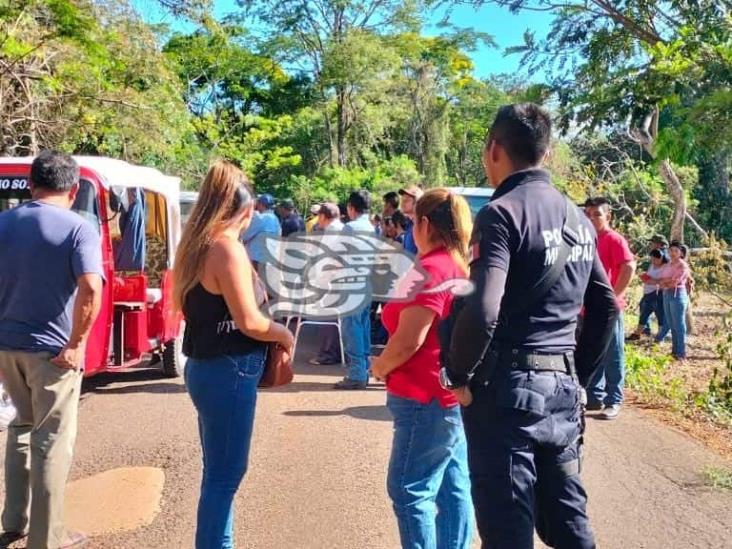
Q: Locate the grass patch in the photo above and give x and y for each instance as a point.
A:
(647, 373)
(650, 374)
(718, 477)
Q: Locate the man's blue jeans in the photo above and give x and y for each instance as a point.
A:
(224, 392)
(357, 343)
(606, 384)
(428, 480)
(675, 303)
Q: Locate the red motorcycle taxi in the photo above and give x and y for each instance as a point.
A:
(137, 213)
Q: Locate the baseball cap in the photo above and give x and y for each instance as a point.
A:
(315, 209)
(266, 200)
(659, 239)
(287, 203)
(413, 190)
(329, 210)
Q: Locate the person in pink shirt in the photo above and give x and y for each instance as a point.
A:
(605, 388)
(673, 280)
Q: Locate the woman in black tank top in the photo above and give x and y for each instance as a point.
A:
(225, 340)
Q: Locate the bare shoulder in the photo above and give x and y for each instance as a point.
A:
(226, 254)
(223, 249)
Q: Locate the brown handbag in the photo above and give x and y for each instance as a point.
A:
(277, 361)
(277, 367)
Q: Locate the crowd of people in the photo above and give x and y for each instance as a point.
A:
(486, 390)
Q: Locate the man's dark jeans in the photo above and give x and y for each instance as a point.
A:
(523, 431)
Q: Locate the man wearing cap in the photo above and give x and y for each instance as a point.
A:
(291, 220)
(312, 223)
(659, 242)
(263, 223)
(410, 195)
(329, 221)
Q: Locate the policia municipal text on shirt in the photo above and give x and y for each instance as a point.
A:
(509, 349)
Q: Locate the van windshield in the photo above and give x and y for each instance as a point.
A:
(14, 190)
(476, 203)
(86, 203)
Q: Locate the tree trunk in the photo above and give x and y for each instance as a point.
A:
(342, 125)
(679, 199)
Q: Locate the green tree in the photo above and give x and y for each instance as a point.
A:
(314, 34)
(629, 64)
(88, 77)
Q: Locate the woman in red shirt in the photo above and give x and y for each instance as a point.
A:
(428, 470)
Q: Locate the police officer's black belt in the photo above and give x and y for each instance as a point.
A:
(517, 359)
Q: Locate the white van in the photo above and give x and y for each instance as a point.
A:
(187, 201)
(477, 197)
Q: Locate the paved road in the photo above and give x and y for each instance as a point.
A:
(318, 465)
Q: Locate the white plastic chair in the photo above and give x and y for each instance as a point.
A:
(301, 321)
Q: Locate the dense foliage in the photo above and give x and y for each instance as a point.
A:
(316, 97)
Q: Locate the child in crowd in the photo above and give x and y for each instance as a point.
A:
(652, 301)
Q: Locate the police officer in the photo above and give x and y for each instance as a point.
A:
(512, 362)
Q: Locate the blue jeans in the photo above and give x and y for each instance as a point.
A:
(357, 343)
(428, 475)
(651, 303)
(675, 303)
(524, 445)
(224, 392)
(606, 384)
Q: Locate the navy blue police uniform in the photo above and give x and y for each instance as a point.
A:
(293, 223)
(525, 367)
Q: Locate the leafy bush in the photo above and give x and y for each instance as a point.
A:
(711, 268)
(719, 395)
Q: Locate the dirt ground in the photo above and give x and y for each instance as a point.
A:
(318, 464)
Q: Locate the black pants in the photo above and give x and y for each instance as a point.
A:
(523, 432)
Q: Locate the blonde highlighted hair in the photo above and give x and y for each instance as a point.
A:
(450, 222)
(224, 192)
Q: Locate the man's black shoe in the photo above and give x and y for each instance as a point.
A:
(6, 538)
(350, 385)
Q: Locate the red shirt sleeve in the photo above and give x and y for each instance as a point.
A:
(434, 302)
(438, 267)
(621, 251)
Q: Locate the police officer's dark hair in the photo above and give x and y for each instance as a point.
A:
(54, 171)
(360, 201)
(597, 202)
(392, 199)
(524, 131)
